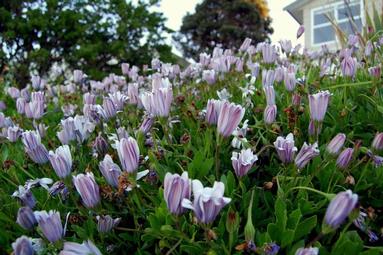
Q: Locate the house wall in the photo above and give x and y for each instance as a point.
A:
(307, 18)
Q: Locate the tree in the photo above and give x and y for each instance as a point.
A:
(225, 22)
(84, 33)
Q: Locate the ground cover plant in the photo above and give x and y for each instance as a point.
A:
(268, 149)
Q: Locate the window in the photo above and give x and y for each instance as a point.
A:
(323, 31)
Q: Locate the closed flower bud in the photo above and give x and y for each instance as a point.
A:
(268, 77)
(209, 76)
(61, 161)
(368, 49)
(311, 129)
(78, 76)
(348, 66)
(34, 148)
(229, 117)
(13, 133)
(212, 110)
(23, 246)
(110, 170)
(285, 148)
(20, 105)
(375, 71)
(100, 145)
(300, 31)
(129, 154)
(269, 53)
(306, 153)
(133, 93)
(208, 202)
(158, 102)
(50, 224)
(89, 98)
(318, 105)
(176, 188)
(290, 81)
(106, 223)
(307, 251)
(270, 95)
(37, 82)
(13, 92)
(245, 45)
(243, 161)
(344, 158)
(339, 208)
(118, 100)
(377, 143)
(286, 46)
(26, 218)
(146, 125)
(336, 144)
(270, 114)
(88, 189)
(108, 109)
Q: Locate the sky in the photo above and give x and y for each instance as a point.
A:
(285, 26)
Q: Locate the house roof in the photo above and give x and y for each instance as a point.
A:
(295, 9)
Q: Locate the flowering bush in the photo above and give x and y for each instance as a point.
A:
(260, 150)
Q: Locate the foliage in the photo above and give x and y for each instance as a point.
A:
(85, 33)
(225, 23)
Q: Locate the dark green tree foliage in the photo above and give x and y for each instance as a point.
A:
(225, 22)
(86, 33)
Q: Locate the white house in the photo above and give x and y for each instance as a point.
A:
(314, 15)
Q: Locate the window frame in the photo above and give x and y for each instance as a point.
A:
(333, 7)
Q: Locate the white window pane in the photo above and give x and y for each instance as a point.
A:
(344, 12)
(324, 34)
(347, 27)
(322, 17)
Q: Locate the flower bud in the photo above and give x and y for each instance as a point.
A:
(110, 170)
(26, 218)
(146, 125)
(22, 246)
(50, 224)
(212, 110)
(300, 31)
(336, 144)
(270, 114)
(339, 208)
(106, 223)
(307, 251)
(377, 143)
(88, 189)
(34, 148)
(229, 117)
(344, 158)
(318, 105)
(61, 161)
(176, 188)
(129, 154)
(100, 145)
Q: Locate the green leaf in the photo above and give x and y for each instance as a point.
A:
(348, 243)
(305, 227)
